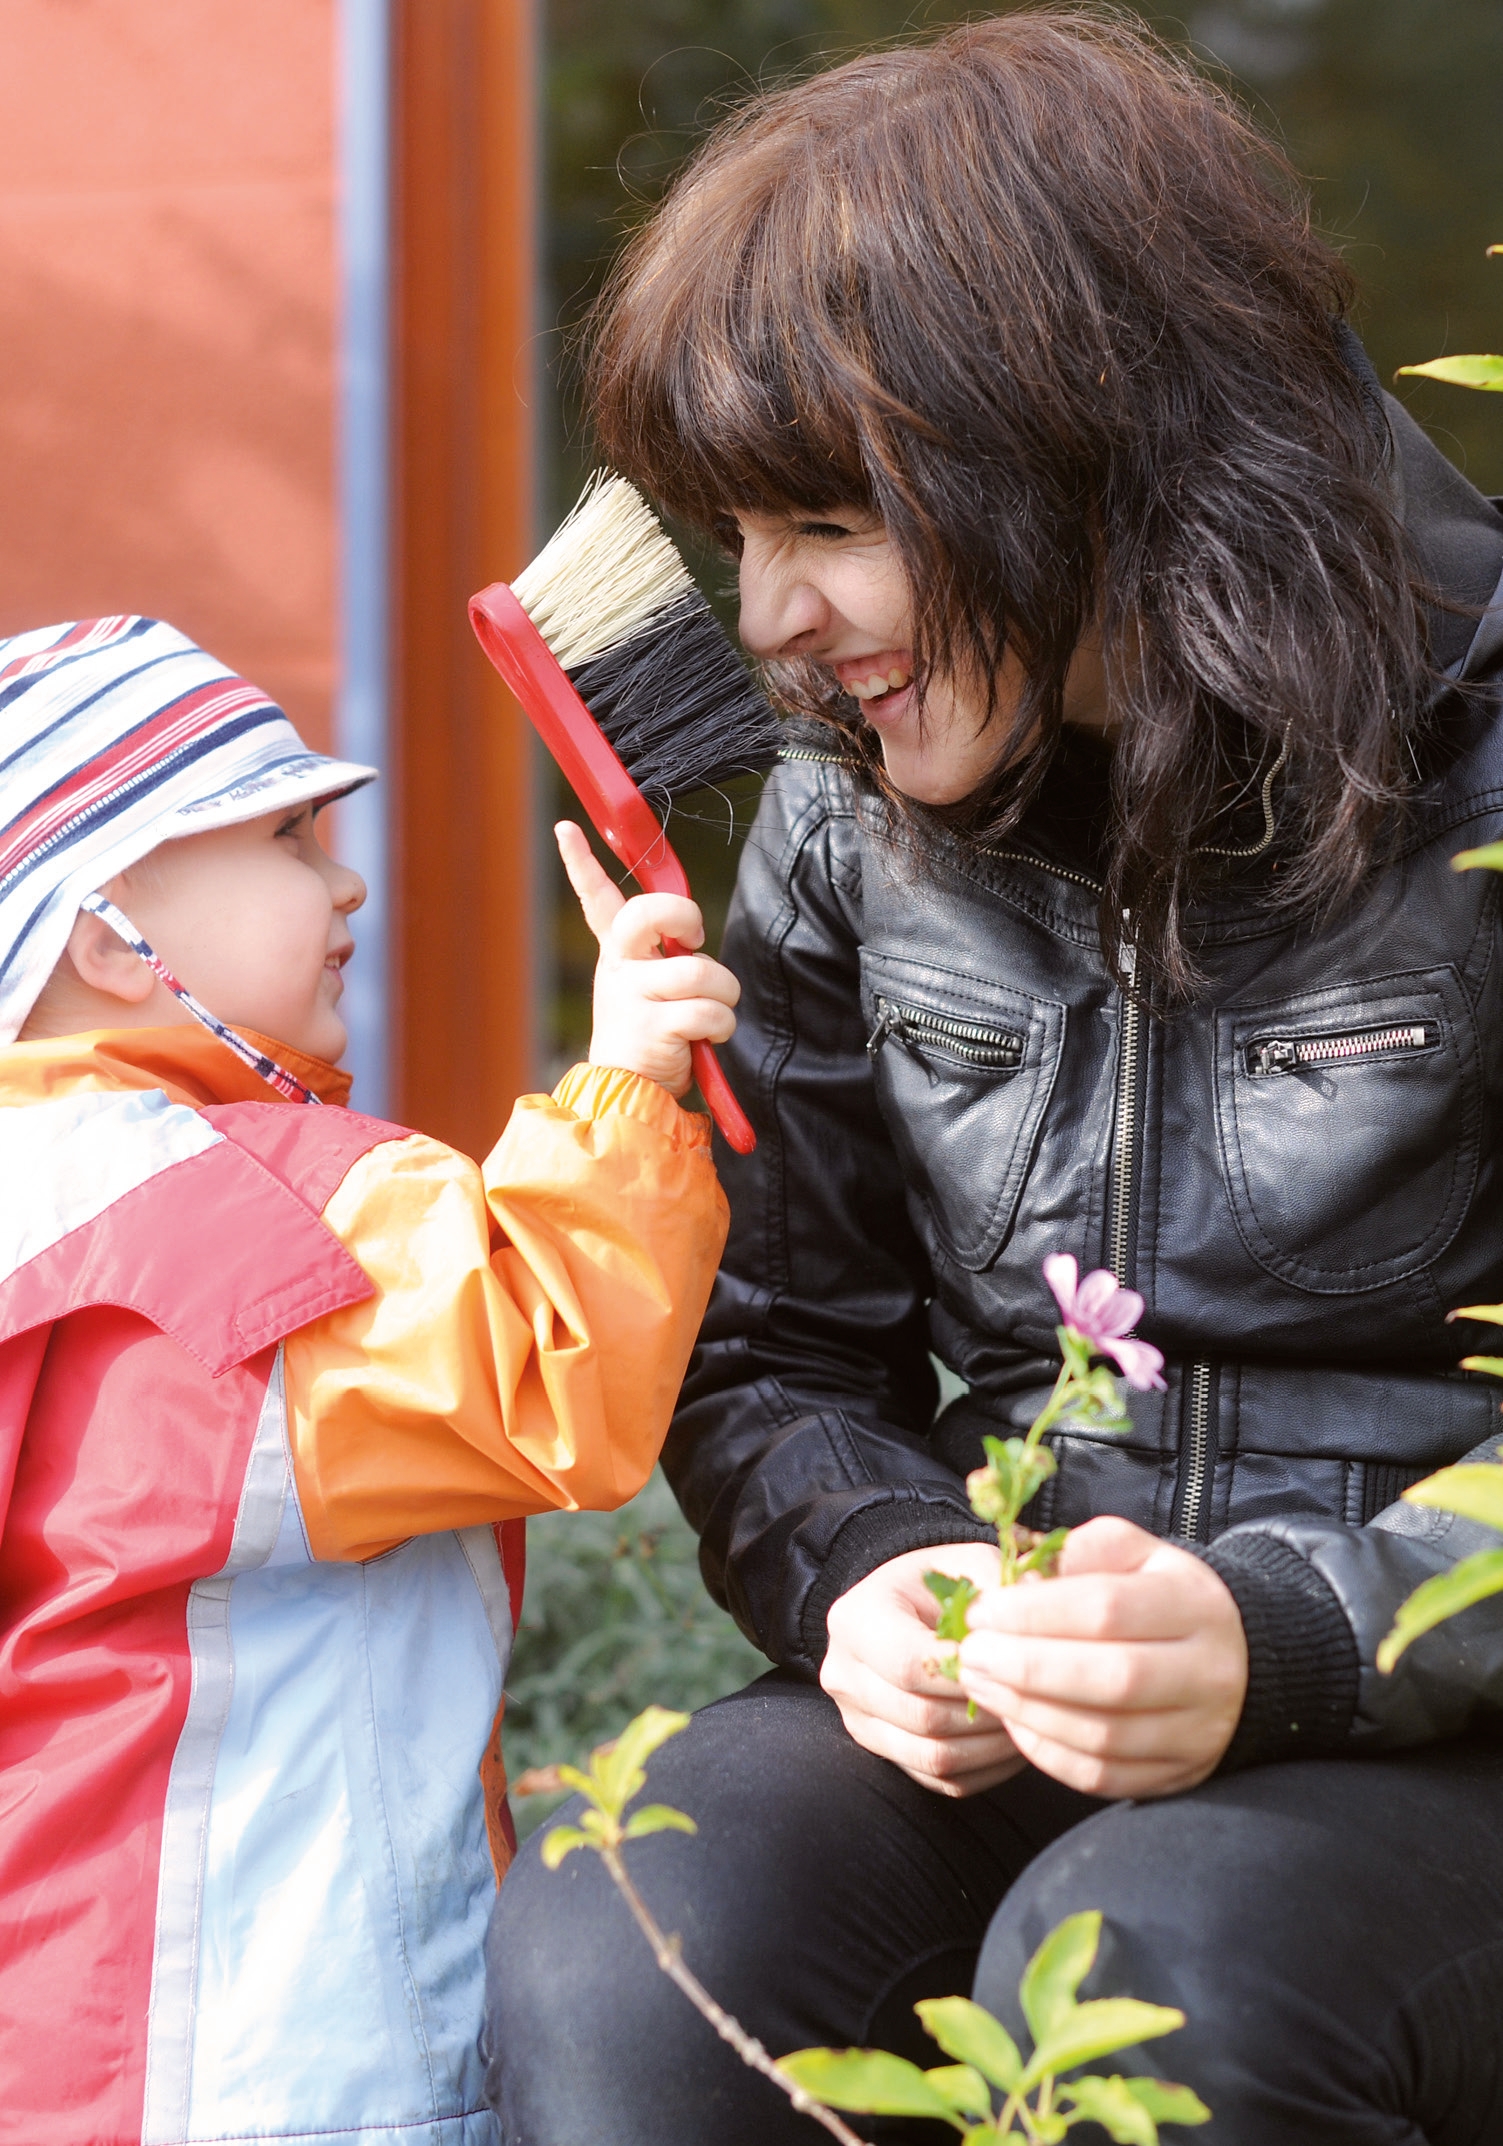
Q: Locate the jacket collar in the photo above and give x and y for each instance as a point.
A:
(187, 1063)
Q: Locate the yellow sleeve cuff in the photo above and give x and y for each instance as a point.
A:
(599, 1091)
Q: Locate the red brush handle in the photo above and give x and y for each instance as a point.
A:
(599, 779)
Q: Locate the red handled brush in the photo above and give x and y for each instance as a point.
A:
(633, 687)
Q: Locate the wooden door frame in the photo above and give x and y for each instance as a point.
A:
(465, 411)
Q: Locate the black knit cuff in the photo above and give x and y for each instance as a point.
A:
(1302, 1665)
(873, 1535)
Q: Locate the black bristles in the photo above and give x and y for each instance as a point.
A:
(678, 704)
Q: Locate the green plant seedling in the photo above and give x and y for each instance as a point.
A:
(617, 1773)
(1473, 1490)
(1098, 1317)
(991, 2091)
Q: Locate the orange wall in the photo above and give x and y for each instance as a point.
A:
(167, 326)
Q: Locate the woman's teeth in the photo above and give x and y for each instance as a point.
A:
(879, 683)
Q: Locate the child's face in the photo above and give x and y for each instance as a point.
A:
(253, 919)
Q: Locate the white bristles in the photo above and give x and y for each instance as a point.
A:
(602, 575)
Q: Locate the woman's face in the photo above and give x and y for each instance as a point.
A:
(830, 589)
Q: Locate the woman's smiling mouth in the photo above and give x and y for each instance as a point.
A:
(877, 677)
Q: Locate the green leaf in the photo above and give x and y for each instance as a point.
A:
(871, 2082)
(1056, 1971)
(561, 1842)
(1112, 2104)
(1088, 2031)
(1475, 370)
(1492, 1365)
(1473, 1490)
(617, 1768)
(969, 2032)
(1051, 2128)
(1167, 2103)
(1492, 1314)
(1473, 1580)
(955, 1597)
(1488, 858)
(962, 2087)
(657, 1818)
(1044, 1555)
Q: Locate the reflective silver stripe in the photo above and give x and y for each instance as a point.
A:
(174, 1967)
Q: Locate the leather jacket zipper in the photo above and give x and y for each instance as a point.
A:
(1041, 864)
(995, 1050)
(1291, 1054)
(1198, 1459)
(1122, 1189)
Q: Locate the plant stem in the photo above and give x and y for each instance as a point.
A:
(747, 2047)
(1053, 1408)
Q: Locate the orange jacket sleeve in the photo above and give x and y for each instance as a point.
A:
(531, 1323)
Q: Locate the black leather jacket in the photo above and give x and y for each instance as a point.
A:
(1301, 1175)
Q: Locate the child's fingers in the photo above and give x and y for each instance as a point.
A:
(640, 924)
(601, 901)
(686, 976)
(692, 1020)
(700, 1020)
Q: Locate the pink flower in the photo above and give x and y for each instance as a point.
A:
(1103, 1313)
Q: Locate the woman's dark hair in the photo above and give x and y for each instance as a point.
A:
(1041, 297)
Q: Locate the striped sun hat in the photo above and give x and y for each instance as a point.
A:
(117, 734)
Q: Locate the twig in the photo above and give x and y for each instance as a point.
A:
(747, 2047)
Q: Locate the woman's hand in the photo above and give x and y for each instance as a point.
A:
(649, 1007)
(1123, 1676)
(879, 1671)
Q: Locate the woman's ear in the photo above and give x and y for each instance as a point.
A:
(105, 963)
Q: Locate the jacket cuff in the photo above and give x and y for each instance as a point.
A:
(1302, 1666)
(870, 1537)
(596, 1091)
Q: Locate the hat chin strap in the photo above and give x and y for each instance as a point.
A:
(274, 1075)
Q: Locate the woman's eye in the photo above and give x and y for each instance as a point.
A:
(824, 532)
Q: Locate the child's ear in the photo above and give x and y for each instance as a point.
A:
(105, 963)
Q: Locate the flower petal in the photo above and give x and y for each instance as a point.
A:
(1140, 1363)
(1122, 1314)
(1102, 1306)
(1061, 1273)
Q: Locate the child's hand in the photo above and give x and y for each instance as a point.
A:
(648, 1007)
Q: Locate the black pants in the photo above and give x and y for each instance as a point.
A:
(1333, 1929)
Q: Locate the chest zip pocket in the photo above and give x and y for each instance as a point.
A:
(1301, 1054)
(919, 1028)
(1349, 1128)
(963, 1068)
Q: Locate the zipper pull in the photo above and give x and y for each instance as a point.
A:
(1275, 1056)
(1127, 952)
(887, 1021)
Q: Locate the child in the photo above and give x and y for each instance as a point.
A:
(278, 1385)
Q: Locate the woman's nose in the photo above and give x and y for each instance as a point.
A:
(780, 611)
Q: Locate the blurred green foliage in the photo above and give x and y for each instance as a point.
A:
(615, 1617)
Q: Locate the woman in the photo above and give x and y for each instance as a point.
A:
(1102, 905)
